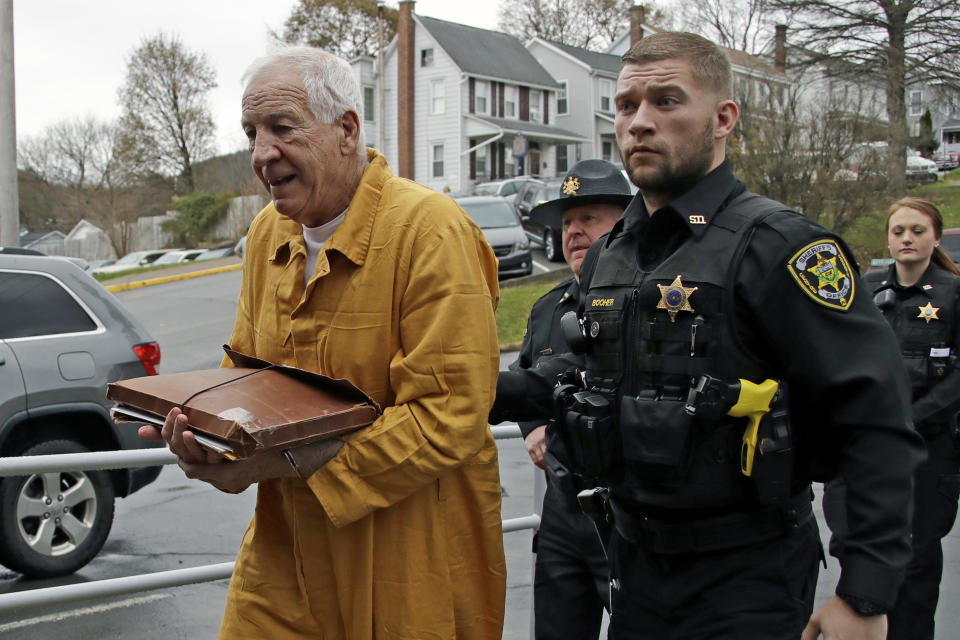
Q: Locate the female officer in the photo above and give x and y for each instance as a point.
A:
(918, 296)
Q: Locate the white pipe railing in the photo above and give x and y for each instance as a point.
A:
(101, 460)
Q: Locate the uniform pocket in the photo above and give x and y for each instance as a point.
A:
(656, 434)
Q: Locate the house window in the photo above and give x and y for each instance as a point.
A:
(606, 96)
(481, 97)
(481, 161)
(534, 105)
(426, 57)
(368, 105)
(607, 150)
(510, 102)
(562, 98)
(561, 158)
(916, 103)
(437, 161)
(438, 94)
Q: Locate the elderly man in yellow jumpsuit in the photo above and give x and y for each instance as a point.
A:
(394, 531)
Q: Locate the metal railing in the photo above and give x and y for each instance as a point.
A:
(101, 460)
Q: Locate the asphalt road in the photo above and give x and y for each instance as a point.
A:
(176, 523)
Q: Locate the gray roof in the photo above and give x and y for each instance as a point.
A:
(529, 128)
(593, 59)
(488, 53)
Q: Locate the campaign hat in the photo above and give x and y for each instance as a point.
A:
(587, 182)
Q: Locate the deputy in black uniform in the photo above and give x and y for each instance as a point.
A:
(919, 296)
(700, 303)
(571, 579)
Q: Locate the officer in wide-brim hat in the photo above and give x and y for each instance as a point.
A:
(588, 182)
(571, 577)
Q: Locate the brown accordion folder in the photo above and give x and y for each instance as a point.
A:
(252, 407)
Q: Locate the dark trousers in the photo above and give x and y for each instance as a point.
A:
(761, 591)
(936, 485)
(571, 585)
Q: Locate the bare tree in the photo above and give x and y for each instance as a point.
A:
(592, 24)
(166, 124)
(903, 41)
(807, 154)
(743, 25)
(76, 169)
(347, 28)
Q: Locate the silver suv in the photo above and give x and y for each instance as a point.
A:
(63, 337)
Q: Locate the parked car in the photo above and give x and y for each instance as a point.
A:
(947, 161)
(96, 264)
(20, 251)
(504, 188)
(178, 256)
(211, 254)
(546, 237)
(921, 170)
(133, 260)
(63, 337)
(501, 226)
(950, 241)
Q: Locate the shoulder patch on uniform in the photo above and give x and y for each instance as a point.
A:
(824, 274)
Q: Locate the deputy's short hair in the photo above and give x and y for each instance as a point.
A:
(710, 65)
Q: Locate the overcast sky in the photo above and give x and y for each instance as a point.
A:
(70, 55)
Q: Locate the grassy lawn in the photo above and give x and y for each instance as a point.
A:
(867, 236)
(514, 308)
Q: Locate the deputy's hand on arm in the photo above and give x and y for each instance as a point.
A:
(536, 443)
(837, 621)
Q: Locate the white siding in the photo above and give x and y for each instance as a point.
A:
(435, 129)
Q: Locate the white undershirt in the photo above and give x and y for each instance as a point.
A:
(315, 237)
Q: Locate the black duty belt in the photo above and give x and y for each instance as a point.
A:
(714, 533)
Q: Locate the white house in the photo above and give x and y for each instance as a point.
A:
(465, 105)
(588, 81)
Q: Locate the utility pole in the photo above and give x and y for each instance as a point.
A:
(9, 200)
(381, 112)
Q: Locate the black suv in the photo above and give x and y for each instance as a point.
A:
(63, 337)
(530, 195)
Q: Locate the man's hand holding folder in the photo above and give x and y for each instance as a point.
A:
(270, 421)
(202, 463)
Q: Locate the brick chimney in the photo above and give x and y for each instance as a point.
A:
(405, 57)
(780, 48)
(637, 18)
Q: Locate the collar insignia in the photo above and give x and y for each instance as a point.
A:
(927, 287)
(697, 219)
(571, 186)
(824, 274)
(675, 298)
(929, 312)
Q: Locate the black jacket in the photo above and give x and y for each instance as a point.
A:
(924, 318)
(849, 389)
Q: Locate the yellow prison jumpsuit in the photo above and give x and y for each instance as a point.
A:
(399, 536)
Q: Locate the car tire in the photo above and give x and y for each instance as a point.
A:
(551, 246)
(42, 535)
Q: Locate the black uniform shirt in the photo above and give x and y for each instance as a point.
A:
(937, 402)
(849, 390)
(543, 336)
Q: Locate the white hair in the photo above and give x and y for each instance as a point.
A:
(331, 87)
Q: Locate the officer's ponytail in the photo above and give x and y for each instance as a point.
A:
(939, 257)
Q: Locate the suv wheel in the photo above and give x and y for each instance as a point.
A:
(52, 524)
(551, 245)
